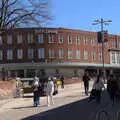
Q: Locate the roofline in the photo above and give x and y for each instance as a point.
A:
(58, 28)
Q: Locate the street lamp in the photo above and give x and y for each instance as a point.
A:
(102, 23)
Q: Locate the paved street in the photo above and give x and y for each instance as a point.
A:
(70, 103)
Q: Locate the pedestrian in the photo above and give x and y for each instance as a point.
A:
(97, 88)
(86, 80)
(50, 91)
(43, 78)
(36, 91)
(62, 81)
(55, 86)
(112, 87)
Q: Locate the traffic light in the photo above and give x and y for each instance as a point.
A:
(105, 36)
(99, 36)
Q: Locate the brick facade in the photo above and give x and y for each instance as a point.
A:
(88, 41)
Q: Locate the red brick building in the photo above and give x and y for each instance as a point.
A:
(24, 51)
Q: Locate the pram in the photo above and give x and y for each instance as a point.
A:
(93, 94)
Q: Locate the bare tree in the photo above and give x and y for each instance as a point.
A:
(14, 13)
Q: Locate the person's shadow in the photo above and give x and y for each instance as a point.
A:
(79, 110)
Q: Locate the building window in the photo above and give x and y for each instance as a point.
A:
(40, 39)
(85, 40)
(113, 61)
(9, 54)
(115, 57)
(51, 53)
(70, 53)
(78, 54)
(41, 53)
(69, 39)
(19, 39)
(114, 43)
(50, 38)
(85, 54)
(9, 39)
(100, 56)
(93, 55)
(61, 39)
(119, 44)
(30, 53)
(93, 41)
(20, 53)
(77, 40)
(1, 54)
(30, 38)
(1, 42)
(118, 57)
(106, 44)
(61, 53)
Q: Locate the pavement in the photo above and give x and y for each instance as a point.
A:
(70, 103)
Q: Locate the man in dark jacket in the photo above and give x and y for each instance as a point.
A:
(86, 83)
(112, 87)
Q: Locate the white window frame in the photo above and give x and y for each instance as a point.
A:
(20, 53)
(85, 40)
(50, 38)
(51, 53)
(93, 55)
(93, 41)
(9, 54)
(30, 53)
(61, 39)
(61, 53)
(86, 55)
(19, 39)
(70, 53)
(40, 38)
(113, 43)
(77, 53)
(114, 57)
(41, 53)
(118, 43)
(30, 38)
(69, 39)
(100, 56)
(77, 40)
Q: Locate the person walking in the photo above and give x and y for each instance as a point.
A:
(43, 78)
(36, 91)
(86, 80)
(62, 81)
(50, 91)
(112, 87)
(97, 87)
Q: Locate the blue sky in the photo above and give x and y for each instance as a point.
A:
(79, 14)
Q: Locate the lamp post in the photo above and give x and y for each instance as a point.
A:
(102, 22)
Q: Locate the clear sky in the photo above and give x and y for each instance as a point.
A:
(79, 14)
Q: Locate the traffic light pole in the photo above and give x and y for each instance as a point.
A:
(102, 37)
(102, 23)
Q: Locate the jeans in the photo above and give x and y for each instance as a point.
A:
(36, 98)
(86, 87)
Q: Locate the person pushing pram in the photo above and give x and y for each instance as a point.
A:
(97, 90)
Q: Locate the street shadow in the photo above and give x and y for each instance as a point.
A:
(28, 96)
(27, 107)
(79, 110)
(23, 107)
